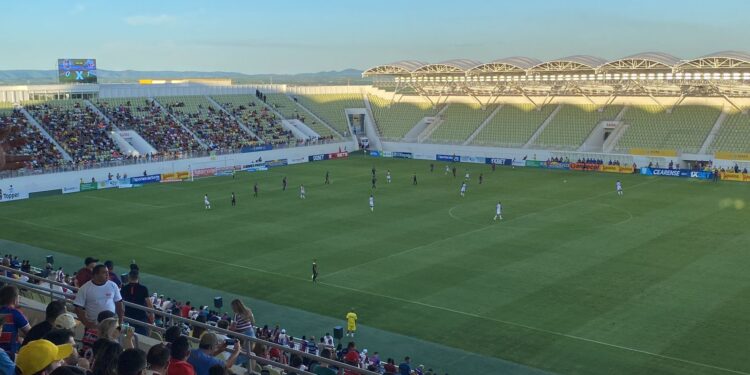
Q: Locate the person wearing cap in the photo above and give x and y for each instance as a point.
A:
(15, 322)
(204, 357)
(66, 321)
(85, 274)
(98, 295)
(66, 336)
(52, 312)
(41, 357)
(112, 275)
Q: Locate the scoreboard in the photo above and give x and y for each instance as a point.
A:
(76, 70)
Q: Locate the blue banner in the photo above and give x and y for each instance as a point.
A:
(145, 179)
(375, 153)
(276, 163)
(471, 159)
(685, 173)
(256, 148)
(450, 158)
(556, 165)
(499, 161)
(402, 155)
(319, 157)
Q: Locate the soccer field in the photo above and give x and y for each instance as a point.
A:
(574, 280)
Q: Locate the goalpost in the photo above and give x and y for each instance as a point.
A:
(211, 168)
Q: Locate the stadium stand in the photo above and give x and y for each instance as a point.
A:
(734, 134)
(252, 113)
(572, 125)
(150, 122)
(651, 127)
(211, 124)
(77, 128)
(25, 143)
(289, 109)
(6, 108)
(459, 121)
(513, 125)
(330, 108)
(396, 120)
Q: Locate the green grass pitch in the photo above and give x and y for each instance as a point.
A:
(574, 280)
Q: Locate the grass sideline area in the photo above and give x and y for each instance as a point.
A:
(575, 280)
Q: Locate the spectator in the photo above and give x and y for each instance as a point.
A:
(54, 309)
(112, 275)
(218, 370)
(6, 364)
(171, 334)
(131, 362)
(322, 368)
(179, 352)
(136, 293)
(62, 337)
(106, 356)
(85, 274)
(158, 359)
(111, 330)
(41, 357)
(14, 322)
(91, 335)
(69, 370)
(203, 358)
(98, 295)
(405, 367)
(390, 367)
(244, 320)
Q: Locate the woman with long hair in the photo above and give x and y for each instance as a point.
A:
(244, 320)
(106, 356)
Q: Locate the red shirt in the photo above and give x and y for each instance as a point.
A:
(180, 368)
(83, 276)
(185, 311)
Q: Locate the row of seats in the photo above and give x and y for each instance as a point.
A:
(459, 121)
(150, 122)
(24, 146)
(216, 128)
(252, 113)
(733, 135)
(291, 111)
(78, 129)
(573, 124)
(513, 125)
(395, 119)
(331, 108)
(650, 126)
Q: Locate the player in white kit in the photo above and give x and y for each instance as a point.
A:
(618, 187)
(466, 176)
(372, 203)
(206, 202)
(498, 211)
(302, 191)
(388, 176)
(463, 188)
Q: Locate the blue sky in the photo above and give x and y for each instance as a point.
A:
(285, 36)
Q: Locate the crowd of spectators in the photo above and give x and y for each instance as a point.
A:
(262, 122)
(78, 129)
(49, 347)
(151, 123)
(215, 127)
(23, 144)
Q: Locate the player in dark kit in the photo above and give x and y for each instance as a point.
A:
(481, 178)
(234, 201)
(373, 171)
(315, 271)
(414, 179)
(283, 184)
(328, 179)
(374, 180)
(255, 190)
(432, 167)
(454, 172)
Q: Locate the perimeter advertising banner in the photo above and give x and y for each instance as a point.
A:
(12, 195)
(339, 155)
(256, 148)
(448, 158)
(277, 163)
(255, 167)
(375, 153)
(402, 155)
(499, 161)
(684, 173)
(731, 176)
(204, 172)
(319, 157)
(145, 179)
(88, 186)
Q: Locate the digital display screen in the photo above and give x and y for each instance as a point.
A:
(76, 70)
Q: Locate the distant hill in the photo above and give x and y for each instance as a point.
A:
(352, 76)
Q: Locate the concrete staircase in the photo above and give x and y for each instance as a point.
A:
(484, 123)
(542, 127)
(243, 126)
(187, 129)
(714, 131)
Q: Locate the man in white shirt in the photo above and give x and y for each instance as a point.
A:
(97, 295)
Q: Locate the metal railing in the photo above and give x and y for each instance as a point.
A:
(167, 317)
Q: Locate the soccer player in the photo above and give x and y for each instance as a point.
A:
(466, 176)
(255, 190)
(373, 171)
(498, 211)
(283, 184)
(388, 176)
(374, 180)
(206, 202)
(481, 178)
(315, 271)
(454, 172)
(463, 188)
(432, 167)
(372, 203)
(234, 201)
(414, 179)
(302, 191)
(328, 178)
(447, 169)
(618, 187)
(351, 322)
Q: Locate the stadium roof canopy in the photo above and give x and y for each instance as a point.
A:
(449, 66)
(726, 60)
(650, 61)
(516, 64)
(576, 63)
(396, 68)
